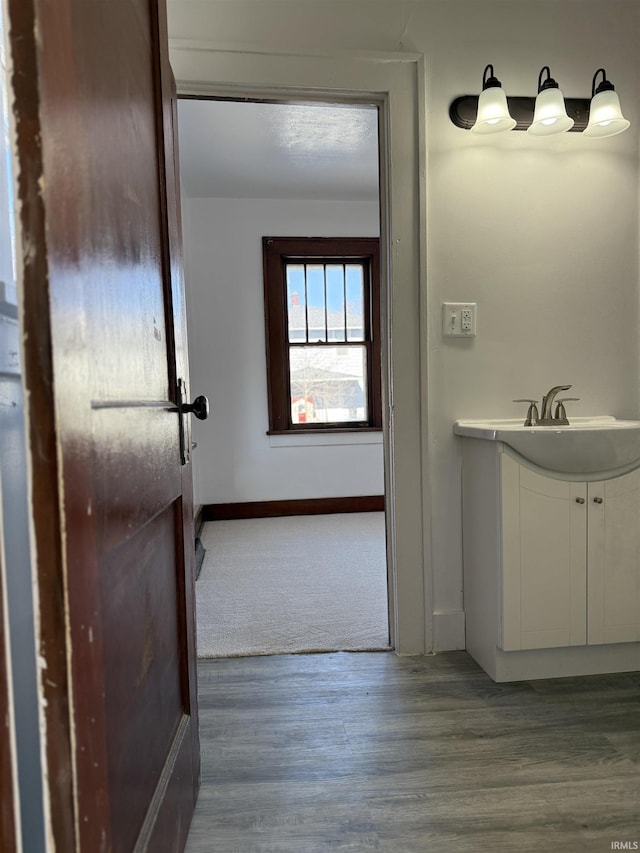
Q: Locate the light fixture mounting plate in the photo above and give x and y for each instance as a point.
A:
(464, 109)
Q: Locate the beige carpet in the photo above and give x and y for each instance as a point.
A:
(297, 584)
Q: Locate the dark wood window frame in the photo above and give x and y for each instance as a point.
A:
(279, 251)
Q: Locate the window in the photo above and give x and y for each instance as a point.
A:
(322, 310)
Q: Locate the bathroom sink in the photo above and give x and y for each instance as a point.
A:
(586, 446)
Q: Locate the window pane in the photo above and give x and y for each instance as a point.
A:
(296, 302)
(316, 319)
(336, 316)
(328, 384)
(355, 302)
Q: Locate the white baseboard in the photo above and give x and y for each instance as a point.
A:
(448, 631)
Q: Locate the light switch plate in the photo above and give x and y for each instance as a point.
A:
(459, 319)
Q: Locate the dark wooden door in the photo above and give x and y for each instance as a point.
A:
(103, 315)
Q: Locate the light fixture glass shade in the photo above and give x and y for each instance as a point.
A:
(493, 112)
(550, 115)
(605, 115)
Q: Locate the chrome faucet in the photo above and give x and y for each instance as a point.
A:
(546, 413)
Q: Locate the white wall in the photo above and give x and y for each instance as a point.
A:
(541, 233)
(235, 459)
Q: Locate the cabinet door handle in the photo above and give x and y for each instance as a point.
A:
(579, 500)
(597, 500)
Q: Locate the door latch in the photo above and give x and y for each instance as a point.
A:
(199, 408)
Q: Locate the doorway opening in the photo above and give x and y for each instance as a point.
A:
(255, 169)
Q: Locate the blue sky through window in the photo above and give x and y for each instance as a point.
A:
(335, 287)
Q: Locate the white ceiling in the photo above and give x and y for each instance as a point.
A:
(232, 149)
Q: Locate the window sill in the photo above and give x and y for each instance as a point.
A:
(325, 438)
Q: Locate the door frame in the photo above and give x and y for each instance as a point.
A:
(395, 82)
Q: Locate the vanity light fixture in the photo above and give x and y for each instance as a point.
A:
(605, 116)
(550, 115)
(493, 113)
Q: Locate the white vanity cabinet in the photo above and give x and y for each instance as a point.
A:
(571, 560)
(551, 568)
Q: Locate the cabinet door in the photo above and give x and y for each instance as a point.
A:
(614, 560)
(544, 560)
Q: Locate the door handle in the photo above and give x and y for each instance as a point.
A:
(199, 408)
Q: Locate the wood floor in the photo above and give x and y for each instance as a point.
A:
(369, 751)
